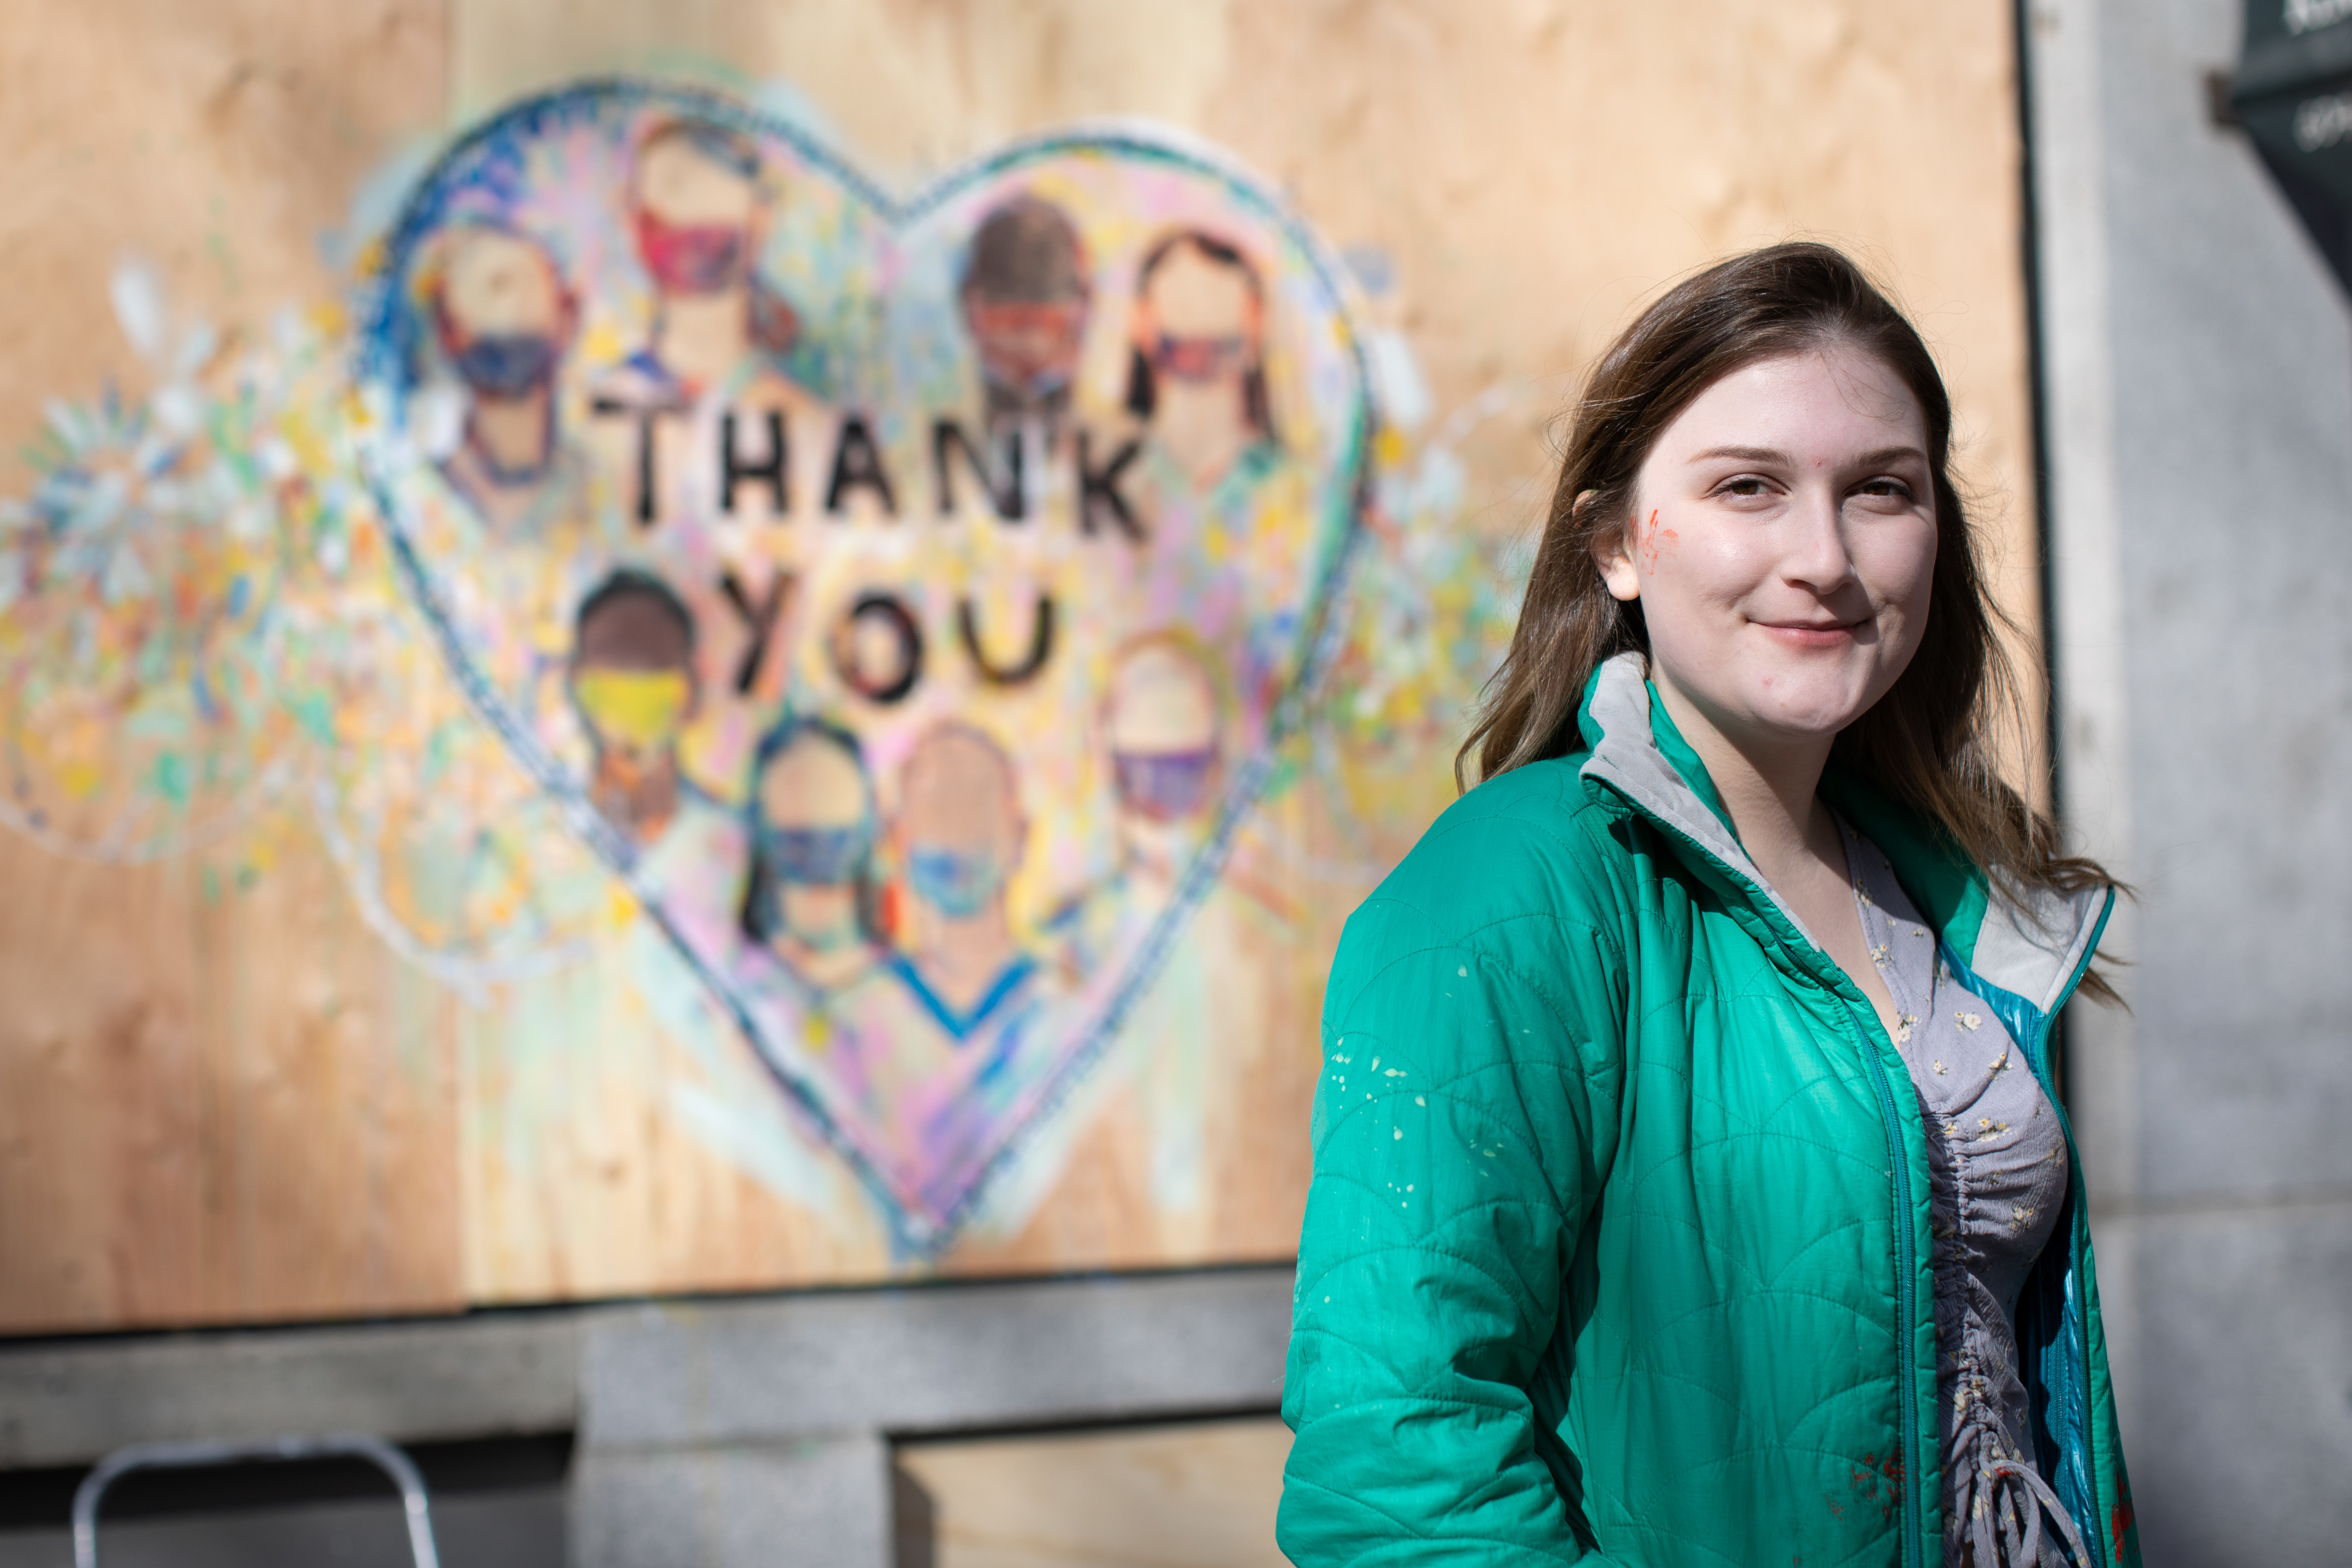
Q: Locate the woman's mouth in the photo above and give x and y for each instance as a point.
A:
(1810, 634)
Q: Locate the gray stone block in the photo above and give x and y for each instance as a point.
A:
(823, 1503)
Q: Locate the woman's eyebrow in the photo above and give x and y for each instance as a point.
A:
(1887, 454)
(1745, 455)
(1770, 455)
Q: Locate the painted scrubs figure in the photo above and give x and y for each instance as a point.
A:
(954, 1023)
(1191, 1034)
(504, 318)
(809, 956)
(1689, 1185)
(1161, 723)
(717, 441)
(517, 528)
(698, 209)
(632, 681)
(1024, 295)
(961, 833)
(1216, 493)
(809, 908)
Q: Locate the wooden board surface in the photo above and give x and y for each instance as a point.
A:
(224, 1098)
(1200, 1495)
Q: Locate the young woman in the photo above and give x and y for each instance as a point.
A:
(1689, 1182)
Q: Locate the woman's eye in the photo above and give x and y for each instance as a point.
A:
(1887, 487)
(1746, 485)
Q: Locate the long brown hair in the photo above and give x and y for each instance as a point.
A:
(1927, 741)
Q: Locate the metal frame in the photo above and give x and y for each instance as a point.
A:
(194, 1456)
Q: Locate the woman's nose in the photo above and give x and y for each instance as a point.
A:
(1817, 555)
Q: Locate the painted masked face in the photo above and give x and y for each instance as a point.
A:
(503, 311)
(816, 857)
(958, 883)
(508, 365)
(1201, 359)
(693, 258)
(1029, 347)
(1164, 787)
(635, 710)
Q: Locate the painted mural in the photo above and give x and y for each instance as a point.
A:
(898, 612)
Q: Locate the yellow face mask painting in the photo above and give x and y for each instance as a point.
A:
(643, 709)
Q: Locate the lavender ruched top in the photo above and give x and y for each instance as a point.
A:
(1997, 1173)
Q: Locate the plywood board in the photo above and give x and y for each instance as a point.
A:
(1200, 1495)
(265, 1059)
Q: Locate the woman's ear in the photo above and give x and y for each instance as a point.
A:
(1613, 551)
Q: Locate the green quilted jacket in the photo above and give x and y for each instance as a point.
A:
(1617, 1249)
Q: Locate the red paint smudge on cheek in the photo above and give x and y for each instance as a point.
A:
(1650, 540)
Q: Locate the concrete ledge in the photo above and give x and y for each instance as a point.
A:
(67, 1403)
(934, 1359)
(694, 1374)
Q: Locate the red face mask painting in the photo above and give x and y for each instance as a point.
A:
(1033, 346)
(1201, 359)
(692, 259)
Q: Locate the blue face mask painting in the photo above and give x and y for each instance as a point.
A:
(815, 856)
(1046, 384)
(1164, 785)
(957, 884)
(507, 365)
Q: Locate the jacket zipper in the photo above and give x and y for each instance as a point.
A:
(1907, 1306)
(1907, 1267)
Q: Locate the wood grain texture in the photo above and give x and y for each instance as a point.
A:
(221, 1100)
(586, 1171)
(1200, 1495)
(224, 141)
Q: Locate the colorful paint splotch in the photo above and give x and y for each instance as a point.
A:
(906, 599)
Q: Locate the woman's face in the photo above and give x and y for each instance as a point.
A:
(1782, 544)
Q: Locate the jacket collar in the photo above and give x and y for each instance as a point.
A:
(2033, 943)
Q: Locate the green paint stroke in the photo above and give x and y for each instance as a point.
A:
(170, 778)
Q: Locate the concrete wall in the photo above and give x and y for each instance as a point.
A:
(2200, 379)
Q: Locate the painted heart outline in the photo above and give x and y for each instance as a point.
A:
(931, 631)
